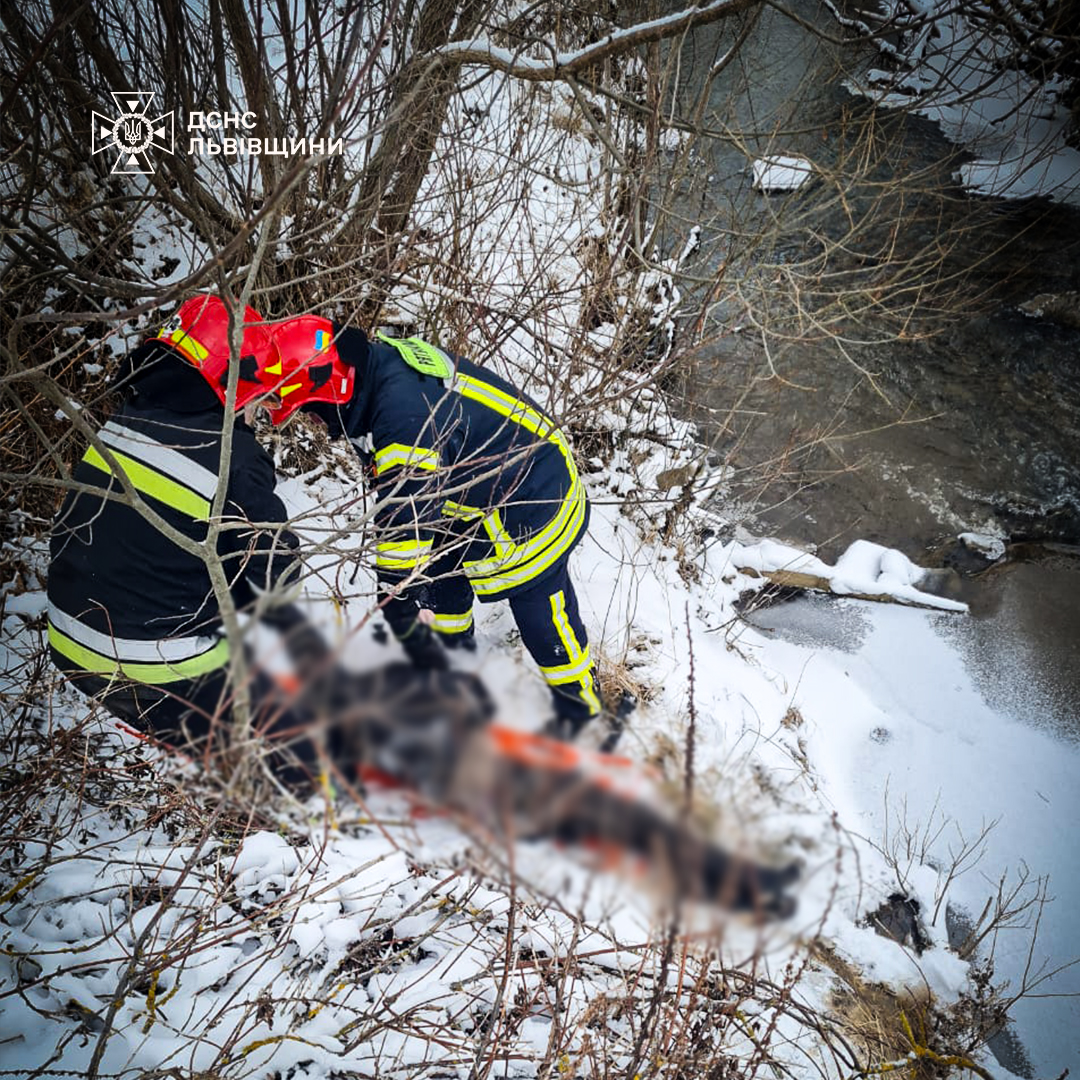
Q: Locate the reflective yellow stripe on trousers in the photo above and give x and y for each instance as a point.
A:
(158, 674)
(578, 668)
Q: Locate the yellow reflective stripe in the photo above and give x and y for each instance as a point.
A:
(164, 459)
(130, 650)
(461, 512)
(194, 348)
(573, 504)
(402, 554)
(579, 668)
(563, 627)
(566, 673)
(398, 454)
(452, 624)
(588, 694)
(499, 537)
(514, 409)
(517, 411)
(528, 563)
(522, 573)
(93, 661)
(151, 482)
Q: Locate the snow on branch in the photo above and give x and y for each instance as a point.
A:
(563, 64)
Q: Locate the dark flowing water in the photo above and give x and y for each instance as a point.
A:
(904, 388)
(876, 365)
(945, 397)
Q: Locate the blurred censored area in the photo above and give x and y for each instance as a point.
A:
(433, 731)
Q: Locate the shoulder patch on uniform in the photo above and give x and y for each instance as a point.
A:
(421, 356)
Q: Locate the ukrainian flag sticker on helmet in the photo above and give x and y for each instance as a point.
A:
(322, 340)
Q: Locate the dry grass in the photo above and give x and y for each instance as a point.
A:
(618, 679)
(871, 1015)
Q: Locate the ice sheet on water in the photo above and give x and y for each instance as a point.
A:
(781, 173)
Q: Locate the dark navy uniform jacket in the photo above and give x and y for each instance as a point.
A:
(464, 460)
(124, 599)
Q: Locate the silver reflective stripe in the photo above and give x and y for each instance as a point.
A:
(170, 462)
(449, 382)
(132, 650)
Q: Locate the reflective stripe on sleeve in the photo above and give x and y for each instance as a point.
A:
(402, 554)
(461, 512)
(398, 455)
(452, 624)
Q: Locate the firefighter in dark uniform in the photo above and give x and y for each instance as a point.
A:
(479, 498)
(132, 615)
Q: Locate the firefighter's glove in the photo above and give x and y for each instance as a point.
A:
(424, 649)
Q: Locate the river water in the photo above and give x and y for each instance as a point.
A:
(875, 363)
(888, 358)
(915, 394)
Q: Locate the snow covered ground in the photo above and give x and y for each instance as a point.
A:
(898, 727)
(385, 931)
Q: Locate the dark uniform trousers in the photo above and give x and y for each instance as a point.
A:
(550, 623)
(193, 715)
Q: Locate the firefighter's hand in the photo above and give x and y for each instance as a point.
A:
(424, 649)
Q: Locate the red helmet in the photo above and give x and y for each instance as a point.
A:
(199, 332)
(306, 367)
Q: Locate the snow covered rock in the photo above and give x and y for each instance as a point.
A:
(264, 861)
(990, 548)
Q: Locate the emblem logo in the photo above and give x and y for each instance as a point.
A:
(133, 133)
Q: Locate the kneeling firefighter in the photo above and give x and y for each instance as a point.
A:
(480, 497)
(132, 613)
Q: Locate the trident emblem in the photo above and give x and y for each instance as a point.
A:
(133, 133)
